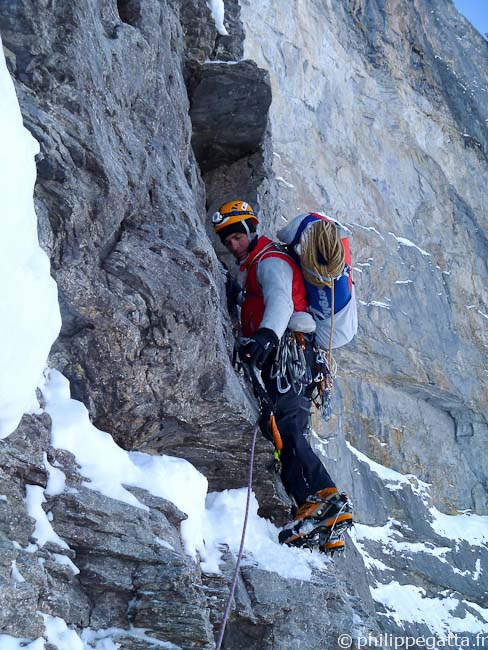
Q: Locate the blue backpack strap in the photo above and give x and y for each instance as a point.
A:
(305, 221)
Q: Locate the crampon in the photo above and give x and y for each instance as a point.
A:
(320, 524)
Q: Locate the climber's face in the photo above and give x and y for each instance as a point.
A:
(237, 244)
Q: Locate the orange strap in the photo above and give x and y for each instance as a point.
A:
(278, 442)
(300, 338)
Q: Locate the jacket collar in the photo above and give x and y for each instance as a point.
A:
(263, 242)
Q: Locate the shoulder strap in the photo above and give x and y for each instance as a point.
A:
(267, 249)
(304, 223)
(270, 250)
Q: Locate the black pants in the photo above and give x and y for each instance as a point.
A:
(302, 472)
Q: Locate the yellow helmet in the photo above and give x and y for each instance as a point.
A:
(234, 216)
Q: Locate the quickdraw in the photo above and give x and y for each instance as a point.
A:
(290, 368)
(278, 443)
(323, 383)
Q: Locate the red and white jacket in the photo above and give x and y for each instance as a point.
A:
(274, 293)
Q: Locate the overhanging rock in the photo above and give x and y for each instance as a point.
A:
(229, 109)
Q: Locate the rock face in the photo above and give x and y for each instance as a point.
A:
(118, 570)
(413, 553)
(130, 568)
(378, 116)
(121, 210)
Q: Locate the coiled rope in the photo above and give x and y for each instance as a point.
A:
(241, 547)
(323, 237)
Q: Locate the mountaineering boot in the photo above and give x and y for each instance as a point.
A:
(321, 521)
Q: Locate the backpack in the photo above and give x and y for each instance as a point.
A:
(324, 294)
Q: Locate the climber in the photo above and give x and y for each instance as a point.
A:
(275, 323)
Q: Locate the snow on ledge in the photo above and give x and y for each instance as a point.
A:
(411, 603)
(392, 479)
(470, 528)
(403, 241)
(213, 520)
(110, 468)
(218, 11)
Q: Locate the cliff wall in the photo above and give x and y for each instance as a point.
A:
(147, 117)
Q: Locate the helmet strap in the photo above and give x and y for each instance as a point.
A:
(252, 242)
(247, 228)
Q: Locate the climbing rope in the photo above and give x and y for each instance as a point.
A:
(330, 361)
(322, 238)
(241, 547)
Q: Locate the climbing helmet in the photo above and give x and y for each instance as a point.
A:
(234, 216)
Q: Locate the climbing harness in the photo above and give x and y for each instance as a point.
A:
(241, 547)
(292, 372)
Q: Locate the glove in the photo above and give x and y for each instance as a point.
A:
(257, 349)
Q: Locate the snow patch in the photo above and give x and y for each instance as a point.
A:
(8, 642)
(369, 228)
(43, 530)
(218, 11)
(410, 603)
(110, 468)
(65, 561)
(24, 268)
(164, 544)
(61, 636)
(223, 525)
(106, 639)
(478, 570)
(393, 480)
(469, 528)
(392, 542)
(406, 242)
(375, 303)
(378, 303)
(280, 179)
(56, 481)
(15, 573)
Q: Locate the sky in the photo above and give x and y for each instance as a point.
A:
(476, 11)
